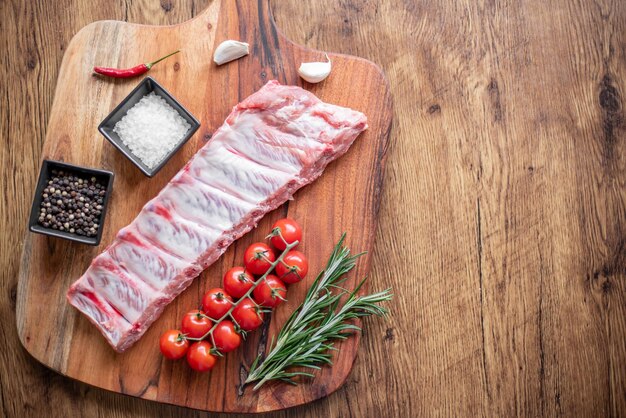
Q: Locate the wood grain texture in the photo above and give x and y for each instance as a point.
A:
(504, 183)
(345, 199)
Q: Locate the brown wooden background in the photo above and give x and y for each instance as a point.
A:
(503, 222)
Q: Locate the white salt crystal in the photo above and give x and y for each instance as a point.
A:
(151, 129)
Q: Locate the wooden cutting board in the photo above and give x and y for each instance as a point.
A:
(345, 198)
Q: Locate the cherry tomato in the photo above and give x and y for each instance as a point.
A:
(237, 282)
(195, 324)
(200, 358)
(258, 258)
(216, 302)
(289, 229)
(247, 315)
(298, 267)
(270, 292)
(173, 344)
(226, 337)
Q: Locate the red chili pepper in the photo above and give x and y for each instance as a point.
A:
(130, 72)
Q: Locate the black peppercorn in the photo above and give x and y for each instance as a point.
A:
(72, 204)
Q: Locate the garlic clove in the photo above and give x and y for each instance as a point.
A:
(230, 50)
(314, 72)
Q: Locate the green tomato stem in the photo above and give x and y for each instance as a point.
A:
(246, 295)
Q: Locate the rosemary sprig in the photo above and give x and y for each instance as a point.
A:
(307, 337)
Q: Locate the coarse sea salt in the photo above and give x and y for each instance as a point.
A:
(151, 129)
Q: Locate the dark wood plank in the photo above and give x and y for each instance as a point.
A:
(521, 312)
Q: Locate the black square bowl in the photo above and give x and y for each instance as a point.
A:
(146, 86)
(103, 176)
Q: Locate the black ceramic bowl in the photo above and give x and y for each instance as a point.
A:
(103, 176)
(146, 86)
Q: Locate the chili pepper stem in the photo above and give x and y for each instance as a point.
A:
(150, 64)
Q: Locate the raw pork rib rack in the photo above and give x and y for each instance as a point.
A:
(274, 142)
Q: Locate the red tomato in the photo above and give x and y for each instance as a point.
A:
(290, 231)
(295, 269)
(216, 302)
(247, 315)
(225, 336)
(237, 282)
(173, 344)
(258, 258)
(195, 324)
(200, 358)
(270, 292)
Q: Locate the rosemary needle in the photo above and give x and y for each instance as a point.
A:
(306, 339)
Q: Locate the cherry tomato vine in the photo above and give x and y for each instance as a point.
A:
(239, 307)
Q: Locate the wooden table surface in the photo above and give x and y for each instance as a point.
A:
(503, 224)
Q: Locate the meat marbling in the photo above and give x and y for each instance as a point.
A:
(274, 142)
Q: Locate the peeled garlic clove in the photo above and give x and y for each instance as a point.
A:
(314, 72)
(230, 50)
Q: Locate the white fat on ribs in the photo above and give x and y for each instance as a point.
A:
(274, 142)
